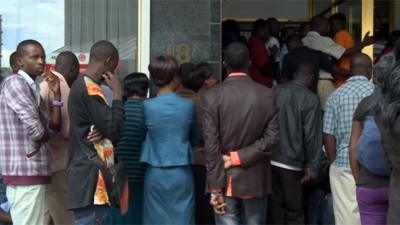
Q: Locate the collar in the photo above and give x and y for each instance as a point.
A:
(238, 74)
(357, 78)
(34, 86)
(299, 83)
(26, 77)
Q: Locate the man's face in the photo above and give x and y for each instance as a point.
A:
(32, 60)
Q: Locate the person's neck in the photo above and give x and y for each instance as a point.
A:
(95, 73)
(362, 74)
(166, 89)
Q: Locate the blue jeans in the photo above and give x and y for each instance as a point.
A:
(243, 211)
(95, 214)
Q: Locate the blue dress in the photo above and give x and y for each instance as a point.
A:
(169, 186)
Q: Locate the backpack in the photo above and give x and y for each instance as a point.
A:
(370, 150)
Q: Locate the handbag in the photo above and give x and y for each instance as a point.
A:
(370, 150)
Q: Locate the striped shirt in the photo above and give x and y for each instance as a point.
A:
(339, 113)
(129, 147)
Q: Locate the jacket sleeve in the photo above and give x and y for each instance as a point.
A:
(23, 103)
(212, 146)
(264, 146)
(108, 121)
(312, 130)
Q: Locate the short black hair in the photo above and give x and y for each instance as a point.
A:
(21, 46)
(236, 56)
(339, 17)
(272, 20)
(259, 25)
(185, 69)
(102, 50)
(293, 37)
(318, 21)
(195, 79)
(163, 69)
(136, 84)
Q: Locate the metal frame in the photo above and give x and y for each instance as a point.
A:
(143, 50)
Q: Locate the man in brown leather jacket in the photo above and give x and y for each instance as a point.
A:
(241, 129)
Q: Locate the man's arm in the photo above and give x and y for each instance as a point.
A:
(5, 217)
(263, 147)
(367, 40)
(212, 146)
(108, 121)
(327, 65)
(23, 103)
(329, 130)
(312, 125)
(330, 147)
(55, 111)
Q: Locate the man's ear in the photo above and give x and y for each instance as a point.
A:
(107, 61)
(19, 61)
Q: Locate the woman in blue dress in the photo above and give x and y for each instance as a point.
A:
(171, 133)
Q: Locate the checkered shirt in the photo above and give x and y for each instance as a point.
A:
(23, 123)
(339, 112)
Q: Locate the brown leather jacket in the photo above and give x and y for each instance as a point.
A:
(240, 114)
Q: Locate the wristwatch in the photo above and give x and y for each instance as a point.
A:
(57, 103)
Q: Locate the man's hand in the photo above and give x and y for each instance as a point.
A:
(218, 204)
(307, 175)
(227, 161)
(367, 40)
(94, 136)
(114, 83)
(53, 82)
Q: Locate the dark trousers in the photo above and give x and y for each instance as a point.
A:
(243, 211)
(286, 201)
(203, 210)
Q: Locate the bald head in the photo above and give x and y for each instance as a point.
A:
(68, 65)
(236, 56)
(361, 64)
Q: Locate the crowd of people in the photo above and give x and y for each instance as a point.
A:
(294, 134)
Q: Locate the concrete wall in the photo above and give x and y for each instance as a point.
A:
(187, 29)
(250, 9)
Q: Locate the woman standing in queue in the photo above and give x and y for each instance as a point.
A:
(171, 133)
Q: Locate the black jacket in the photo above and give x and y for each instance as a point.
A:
(300, 121)
(85, 110)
